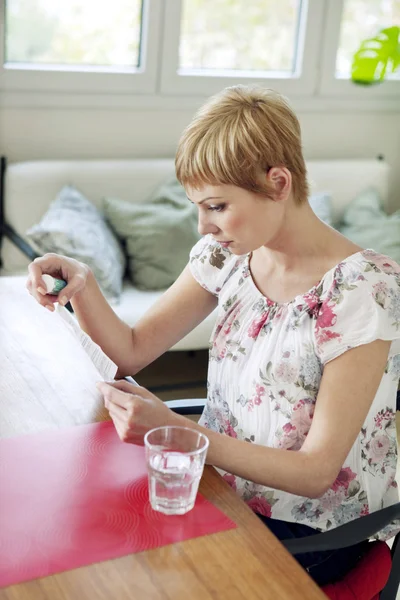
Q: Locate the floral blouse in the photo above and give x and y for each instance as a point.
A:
(265, 366)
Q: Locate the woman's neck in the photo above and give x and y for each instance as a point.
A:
(304, 242)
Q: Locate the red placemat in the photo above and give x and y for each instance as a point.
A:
(77, 496)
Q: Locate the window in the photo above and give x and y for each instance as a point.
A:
(173, 53)
(80, 34)
(209, 44)
(241, 35)
(362, 19)
(80, 46)
(348, 23)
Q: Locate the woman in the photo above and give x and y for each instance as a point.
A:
(304, 358)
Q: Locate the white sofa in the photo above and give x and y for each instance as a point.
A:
(29, 187)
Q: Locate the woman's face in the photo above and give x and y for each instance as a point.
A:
(237, 218)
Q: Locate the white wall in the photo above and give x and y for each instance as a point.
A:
(27, 134)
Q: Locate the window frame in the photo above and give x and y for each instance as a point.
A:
(89, 80)
(336, 87)
(172, 82)
(158, 86)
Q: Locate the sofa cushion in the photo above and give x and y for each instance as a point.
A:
(74, 227)
(366, 223)
(158, 234)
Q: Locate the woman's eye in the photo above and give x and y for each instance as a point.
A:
(218, 208)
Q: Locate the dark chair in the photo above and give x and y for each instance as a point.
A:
(346, 535)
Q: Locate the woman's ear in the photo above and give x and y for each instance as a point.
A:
(281, 179)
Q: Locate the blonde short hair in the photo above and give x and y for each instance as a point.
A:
(239, 134)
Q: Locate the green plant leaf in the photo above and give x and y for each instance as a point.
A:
(376, 56)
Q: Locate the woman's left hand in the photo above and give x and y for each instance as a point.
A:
(134, 410)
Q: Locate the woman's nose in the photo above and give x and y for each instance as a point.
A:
(205, 226)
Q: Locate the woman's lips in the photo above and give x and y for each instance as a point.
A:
(225, 244)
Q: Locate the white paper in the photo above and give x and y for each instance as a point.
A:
(105, 367)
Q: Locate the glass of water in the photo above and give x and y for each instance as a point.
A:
(175, 461)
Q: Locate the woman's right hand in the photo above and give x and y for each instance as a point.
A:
(72, 271)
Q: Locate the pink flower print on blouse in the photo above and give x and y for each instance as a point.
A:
(332, 499)
(288, 427)
(245, 273)
(260, 392)
(303, 412)
(326, 319)
(381, 293)
(229, 430)
(228, 324)
(326, 316)
(364, 511)
(378, 448)
(384, 263)
(260, 505)
(256, 325)
(295, 431)
(384, 418)
(344, 479)
(223, 331)
(389, 299)
(313, 302)
(286, 372)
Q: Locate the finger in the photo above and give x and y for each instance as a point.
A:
(53, 265)
(45, 301)
(74, 285)
(28, 285)
(120, 427)
(35, 277)
(50, 264)
(114, 395)
(116, 411)
(130, 388)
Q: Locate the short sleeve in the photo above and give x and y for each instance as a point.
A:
(361, 305)
(211, 265)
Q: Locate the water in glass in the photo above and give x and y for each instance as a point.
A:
(173, 482)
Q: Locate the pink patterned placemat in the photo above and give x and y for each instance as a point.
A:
(77, 496)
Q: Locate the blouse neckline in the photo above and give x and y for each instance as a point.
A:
(298, 297)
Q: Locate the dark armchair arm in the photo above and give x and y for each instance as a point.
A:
(193, 406)
(345, 535)
(5, 229)
(354, 532)
(19, 242)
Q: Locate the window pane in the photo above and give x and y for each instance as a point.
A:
(239, 34)
(73, 32)
(362, 19)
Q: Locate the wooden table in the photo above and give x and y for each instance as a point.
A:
(46, 382)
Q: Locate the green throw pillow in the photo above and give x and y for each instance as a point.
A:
(158, 234)
(365, 223)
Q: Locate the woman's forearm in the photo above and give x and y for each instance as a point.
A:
(98, 320)
(295, 472)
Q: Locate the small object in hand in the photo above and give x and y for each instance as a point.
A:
(53, 285)
(175, 458)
